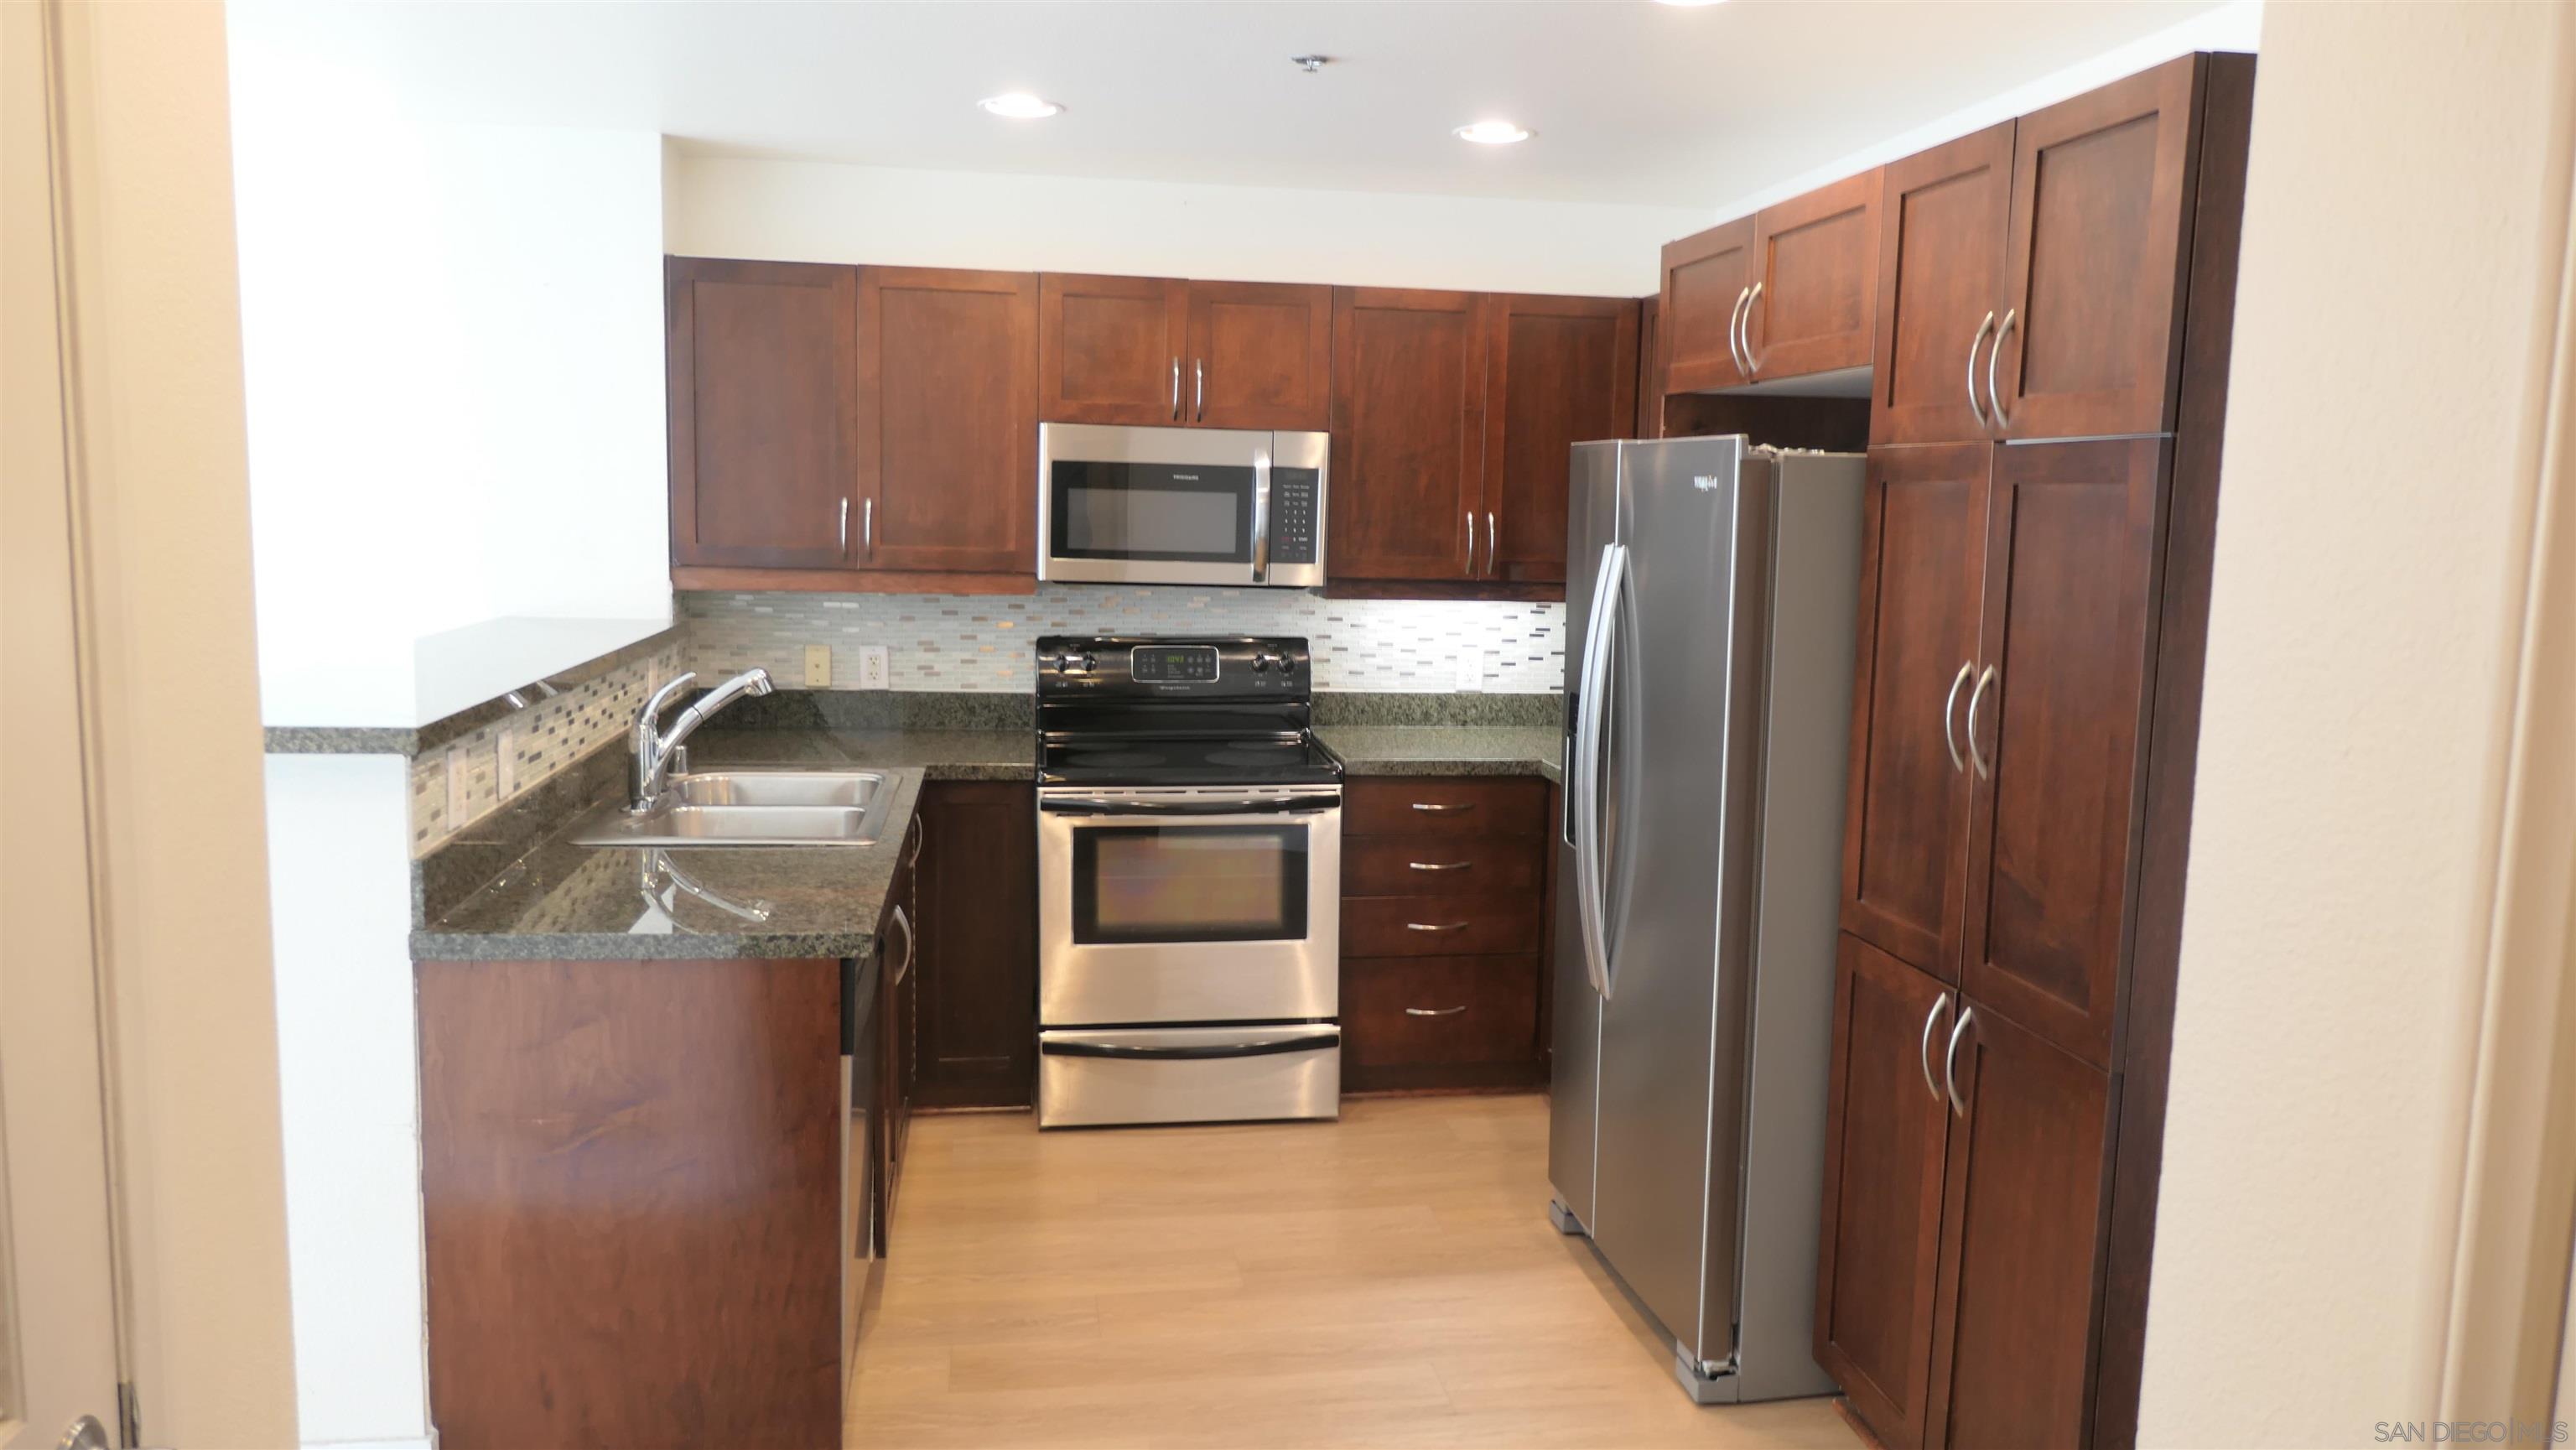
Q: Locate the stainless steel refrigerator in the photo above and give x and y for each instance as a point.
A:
(1712, 596)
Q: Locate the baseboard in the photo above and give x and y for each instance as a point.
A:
(417, 1442)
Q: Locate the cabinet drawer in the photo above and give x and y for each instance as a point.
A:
(1443, 1011)
(1432, 806)
(1439, 866)
(1434, 926)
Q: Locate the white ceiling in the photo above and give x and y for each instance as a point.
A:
(1632, 102)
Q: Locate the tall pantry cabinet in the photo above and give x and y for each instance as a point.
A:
(2049, 376)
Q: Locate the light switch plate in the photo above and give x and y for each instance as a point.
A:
(455, 786)
(506, 761)
(1471, 669)
(818, 667)
(873, 668)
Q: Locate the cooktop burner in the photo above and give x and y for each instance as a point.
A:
(1178, 710)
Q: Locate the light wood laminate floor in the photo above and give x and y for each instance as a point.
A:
(1388, 1280)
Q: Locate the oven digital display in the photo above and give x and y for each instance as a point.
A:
(1172, 664)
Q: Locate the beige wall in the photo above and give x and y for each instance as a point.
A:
(171, 713)
(2404, 233)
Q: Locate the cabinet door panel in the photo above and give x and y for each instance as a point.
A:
(1109, 348)
(2068, 610)
(1816, 257)
(977, 889)
(947, 421)
(1940, 276)
(1260, 356)
(1884, 1127)
(2096, 267)
(2021, 1226)
(1905, 830)
(1408, 433)
(1561, 371)
(764, 386)
(1705, 275)
(1650, 369)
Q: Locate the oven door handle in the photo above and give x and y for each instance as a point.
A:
(1214, 1050)
(1077, 806)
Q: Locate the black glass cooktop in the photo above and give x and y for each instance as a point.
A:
(1293, 759)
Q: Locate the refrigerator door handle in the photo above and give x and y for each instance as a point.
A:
(1583, 774)
(1611, 593)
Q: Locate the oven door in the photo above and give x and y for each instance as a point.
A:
(1188, 905)
(1151, 505)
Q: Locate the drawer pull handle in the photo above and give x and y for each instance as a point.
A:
(1444, 809)
(1440, 865)
(1433, 1011)
(1427, 926)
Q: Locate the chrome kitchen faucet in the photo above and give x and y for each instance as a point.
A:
(652, 764)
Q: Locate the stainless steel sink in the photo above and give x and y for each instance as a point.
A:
(750, 808)
(766, 789)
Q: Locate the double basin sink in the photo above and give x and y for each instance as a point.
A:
(752, 808)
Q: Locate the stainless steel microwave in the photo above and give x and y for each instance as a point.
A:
(1222, 506)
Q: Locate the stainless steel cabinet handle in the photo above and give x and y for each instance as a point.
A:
(1752, 364)
(1440, 865)
(1433, 1011)
(905, 968)
(1977, 757)
(1950, 709)
(1471, 543)
(1924, 1052)
(845, 526)
(1492, 539)
(1198, 390)
(1430, 926)
(1950, 1059)
(1733, 319)
(1983, 328)
(868, 527)
(920, 838)
(1995, 399)
(1176, 390)
(1436, 808)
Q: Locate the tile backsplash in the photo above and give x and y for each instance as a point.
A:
(546, 738)
(987, 642)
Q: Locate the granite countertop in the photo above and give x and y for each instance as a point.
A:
(1446, 749)
(565, 902)
(560, 901)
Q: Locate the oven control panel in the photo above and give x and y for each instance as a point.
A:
(1144, 667)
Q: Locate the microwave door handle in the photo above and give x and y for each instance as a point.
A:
(1261, 522)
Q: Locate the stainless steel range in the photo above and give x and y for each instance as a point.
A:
(1189, 883)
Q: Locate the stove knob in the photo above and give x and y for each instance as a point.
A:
(1090, 664)
(1260, 664)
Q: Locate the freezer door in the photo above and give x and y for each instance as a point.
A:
(1673, 1038)
(1592, 504)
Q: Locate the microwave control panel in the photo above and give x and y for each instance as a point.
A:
(1294, 496)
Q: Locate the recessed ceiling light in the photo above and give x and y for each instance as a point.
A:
(1491, 133)
(1020, 106)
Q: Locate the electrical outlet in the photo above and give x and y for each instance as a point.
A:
(818, 667)
(507, 762)
(455, 786)
(873, 667)
(1471, 669)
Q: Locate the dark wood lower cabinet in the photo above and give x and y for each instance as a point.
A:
(2021, 1237)
(1440, 1022)
(976, 1018)
(631, 1202)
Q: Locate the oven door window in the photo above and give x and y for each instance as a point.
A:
(1152, 884)
(1193, 513)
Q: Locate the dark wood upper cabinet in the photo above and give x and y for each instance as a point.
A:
(2012, 1321)
(1706, 278)
(975, 883)
(1815, 281)
(2070, 594)
(1885, 1127)
(1259, 355)
(2095, 269)
(1408, 425)
(1650, 369)
(1559, 371)
(947, 391)
(1923, 542)
(1109, 348)
(764, 387)
(1940, 287)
